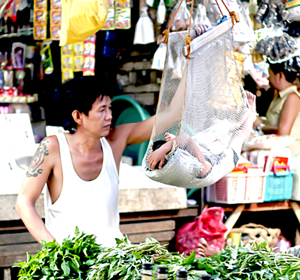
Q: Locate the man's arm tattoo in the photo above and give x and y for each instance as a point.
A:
(38, 159)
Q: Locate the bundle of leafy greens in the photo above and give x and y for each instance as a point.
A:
(256, 262)
(71, 260)
(81, 258)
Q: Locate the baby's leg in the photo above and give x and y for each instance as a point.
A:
(185, 141)
(158, 156)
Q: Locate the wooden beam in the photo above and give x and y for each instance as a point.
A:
(233, 218)
(296, 208)
(158, 215)
(21, 249)
(148, 227)
(16, 238)
(159, 236)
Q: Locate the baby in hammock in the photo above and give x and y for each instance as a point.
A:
(225, 160)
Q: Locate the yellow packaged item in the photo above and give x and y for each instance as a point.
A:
(67, 62)
(40, 4)
(40, 16)
(55, 17)
(78, 49)
(78, 63)
(55, 32)
(81, 19)
(67, 75)
(67, 50)
(40, 32)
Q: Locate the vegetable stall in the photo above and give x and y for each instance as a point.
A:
(81, 258)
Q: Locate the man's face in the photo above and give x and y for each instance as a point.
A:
(99, 118)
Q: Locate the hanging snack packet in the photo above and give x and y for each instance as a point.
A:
(67, 63)
(46, 58)
(88, 68)
(40, 19)
(110, 20)
(123, 18)
(55, 19)
(144, 30)
(78, 56)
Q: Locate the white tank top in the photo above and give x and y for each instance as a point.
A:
(90, 205)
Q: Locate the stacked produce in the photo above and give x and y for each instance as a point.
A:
(81, 258)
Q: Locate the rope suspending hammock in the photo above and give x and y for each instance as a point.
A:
(202, 110)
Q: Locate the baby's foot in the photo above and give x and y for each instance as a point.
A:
(169, 136)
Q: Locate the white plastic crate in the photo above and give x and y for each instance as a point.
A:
(238, 188)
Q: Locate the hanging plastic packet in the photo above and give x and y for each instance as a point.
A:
(81, 19)
(123, 15)
(109, 47)
(277, 46)
(40, 19)
(55, 19)
(182, 18)
(78, 56)
(144, 30)
(159, 57)
(88, 68)
(67, 69)
(46, 58)
(271, 12)
(161, 12)
(110, 19)
(201, 17)
(212, 11)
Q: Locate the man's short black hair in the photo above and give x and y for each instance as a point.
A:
(290, 75)
(80, 94)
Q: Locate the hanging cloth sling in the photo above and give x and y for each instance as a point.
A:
(200, 96)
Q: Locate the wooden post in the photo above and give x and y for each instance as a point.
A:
(233, 218)
(7, 275)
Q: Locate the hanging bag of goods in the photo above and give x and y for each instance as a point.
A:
(82, 19)
(202, 110)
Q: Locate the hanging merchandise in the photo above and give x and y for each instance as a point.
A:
(271, 12)
(161, 12)
(201, 17)
(89, 56)
(159, 57)
(78, 56)
(277, 46)
(293, 8)
(123, 15)
(81, 19)
(213, 12)
(110, 19)
(46, 58)
(40, 19)
(67, 63)
(109, 49)
(144, 30)
(243, 30)
(182, 18)
(18, 55)
(55, 19)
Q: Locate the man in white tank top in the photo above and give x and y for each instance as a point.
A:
(80, 168)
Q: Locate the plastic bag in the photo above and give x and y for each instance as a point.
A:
(161, 12)
(81, 19)
(144, 30)
(182, 19)
(209, 226)
(200, 16)
(159, 57)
